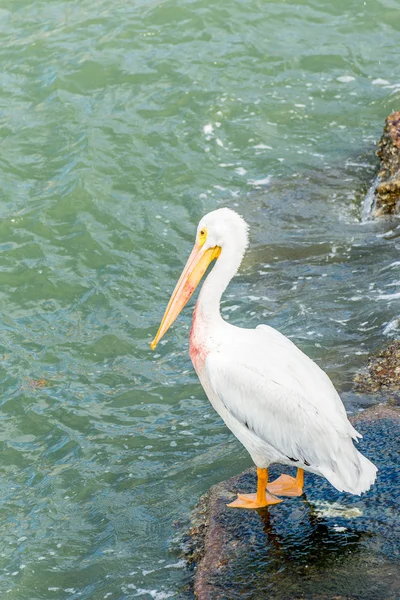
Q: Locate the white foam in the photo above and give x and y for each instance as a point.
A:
(393, 325)
(380, 81)
(181, 564)
(156, 594)
(345, 78)
(396, 263)
(264, 181)
(240, 171)
(334, 509)
(389, 296)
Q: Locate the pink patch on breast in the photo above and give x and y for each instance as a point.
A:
(198, 350)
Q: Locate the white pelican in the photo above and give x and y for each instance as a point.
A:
(280, 405)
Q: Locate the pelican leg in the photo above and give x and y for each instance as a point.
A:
(288, 486)
(261, 498)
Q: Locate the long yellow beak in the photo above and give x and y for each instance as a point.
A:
(194, 270)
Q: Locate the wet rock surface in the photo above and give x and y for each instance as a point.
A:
(387, 190)
(382, 373)
(322, 545)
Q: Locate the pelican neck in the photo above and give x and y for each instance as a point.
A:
(225, 268)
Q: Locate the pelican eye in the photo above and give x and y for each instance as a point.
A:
(202, 236)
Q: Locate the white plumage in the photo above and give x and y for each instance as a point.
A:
(280, 405)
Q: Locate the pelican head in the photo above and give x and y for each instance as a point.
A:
(224, 228)
(220, 231)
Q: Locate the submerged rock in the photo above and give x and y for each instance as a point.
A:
(382, 373)
(322, 545)
(387, 190)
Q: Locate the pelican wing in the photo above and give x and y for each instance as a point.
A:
(304, 376)
(280, 395)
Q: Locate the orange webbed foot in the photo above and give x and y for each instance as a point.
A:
(287, 486)
(251, 501)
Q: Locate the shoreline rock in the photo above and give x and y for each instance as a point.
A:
(387, 189)
(382, 373)
(322, 545)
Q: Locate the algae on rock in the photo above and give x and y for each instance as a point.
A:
(387, 190)
(382, 373)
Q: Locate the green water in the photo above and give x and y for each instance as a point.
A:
(121, 124)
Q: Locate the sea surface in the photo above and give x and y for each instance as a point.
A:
(121, 124)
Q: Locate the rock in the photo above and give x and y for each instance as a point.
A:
(387, 190)
(322, 545)
(382, 373)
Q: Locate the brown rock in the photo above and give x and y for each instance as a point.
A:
(321, 546)
(387, 191)
(382, 373)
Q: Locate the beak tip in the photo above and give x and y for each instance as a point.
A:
(153, 345)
